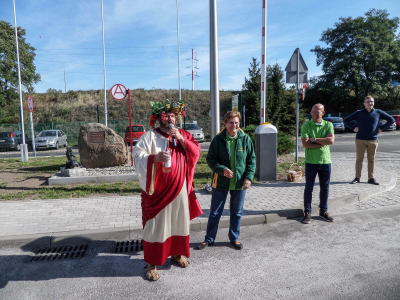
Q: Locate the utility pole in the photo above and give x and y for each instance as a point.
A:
(179, 53)
(263, 58)
(104, 67)
(193, 68)
(214, 77)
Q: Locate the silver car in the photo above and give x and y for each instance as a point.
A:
(51, 139)
(195, 130)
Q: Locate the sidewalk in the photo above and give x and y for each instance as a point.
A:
(50, 222)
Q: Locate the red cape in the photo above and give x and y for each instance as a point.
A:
(168, 185)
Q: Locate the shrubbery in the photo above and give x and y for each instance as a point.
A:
(286, 144)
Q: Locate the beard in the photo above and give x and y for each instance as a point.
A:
(164, 125)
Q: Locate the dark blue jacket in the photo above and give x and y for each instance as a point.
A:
(368, 123)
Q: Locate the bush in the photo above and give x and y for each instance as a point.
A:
(285, 141)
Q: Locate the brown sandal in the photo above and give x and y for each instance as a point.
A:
(151, 273)
(180, 260)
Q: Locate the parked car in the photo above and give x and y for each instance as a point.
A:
(195, 130)
(137, 131)
(397, 121)
(11, 140)
(391, 127)
(51, 139)
(337, 123)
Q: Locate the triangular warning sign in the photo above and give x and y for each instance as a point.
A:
(292, 64)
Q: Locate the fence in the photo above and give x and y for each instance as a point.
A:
(344, 115)
(71, 129)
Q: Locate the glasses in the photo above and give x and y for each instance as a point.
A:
(369, 101)
(233, 123)
(316, 112)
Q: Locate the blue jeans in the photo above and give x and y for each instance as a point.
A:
(217, 207)
(324, 175)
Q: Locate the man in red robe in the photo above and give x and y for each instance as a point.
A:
(168, 199)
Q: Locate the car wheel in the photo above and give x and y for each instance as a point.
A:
(57, 146)
(18, 147)
(66, 144)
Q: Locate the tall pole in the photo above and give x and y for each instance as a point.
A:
(263, 58)
(24, 149)
(104, 68)
(214, 80)
(192, 71)
(179, 53)
(297, 105)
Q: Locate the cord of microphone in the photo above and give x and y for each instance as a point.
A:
(173, 138)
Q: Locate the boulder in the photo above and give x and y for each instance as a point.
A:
(101, 147)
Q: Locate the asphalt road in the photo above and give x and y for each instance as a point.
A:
(389, 142)
(355, 257)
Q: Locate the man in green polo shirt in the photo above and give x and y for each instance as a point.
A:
(316, 136)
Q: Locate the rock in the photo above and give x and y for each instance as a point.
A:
(100, 147)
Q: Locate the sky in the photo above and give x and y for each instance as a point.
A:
(141, 44)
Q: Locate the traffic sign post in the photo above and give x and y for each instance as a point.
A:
(296, 72)
(30, 106)
(118, 92)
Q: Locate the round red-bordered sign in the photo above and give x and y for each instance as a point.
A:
(30, 104)
(118, 91)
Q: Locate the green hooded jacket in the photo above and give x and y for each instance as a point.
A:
(218, 159)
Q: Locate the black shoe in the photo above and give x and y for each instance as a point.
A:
(326, 216)
(307, 218)
(203, 245)
(372, 181)
(237, 245)
(355, 180)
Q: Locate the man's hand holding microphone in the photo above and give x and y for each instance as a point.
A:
(176, 135)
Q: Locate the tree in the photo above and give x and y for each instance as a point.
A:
(275, 95)
(9, 64)
(363, 54)
(252, 93)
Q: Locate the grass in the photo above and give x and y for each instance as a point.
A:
(48, 166)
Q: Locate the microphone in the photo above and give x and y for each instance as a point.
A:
(173, 138)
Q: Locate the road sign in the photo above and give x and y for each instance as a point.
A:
(30, 104)
(291, 69)
(118, 91)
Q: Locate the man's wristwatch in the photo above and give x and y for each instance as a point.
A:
(314, 140)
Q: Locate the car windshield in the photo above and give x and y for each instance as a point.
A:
(191, 127)
(135, 129)
(334, 120)
(5, 134)
(47, 133)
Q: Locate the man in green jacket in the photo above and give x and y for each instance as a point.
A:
(232, 159)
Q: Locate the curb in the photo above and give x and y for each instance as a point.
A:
(198, 224)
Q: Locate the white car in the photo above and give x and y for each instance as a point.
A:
(51, 139)
(195, 130)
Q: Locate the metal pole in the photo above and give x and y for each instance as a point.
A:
(104, 63)
(297, 105)
(192, 72)
(24, 149)
(130, 123)
(214, 80)
(65, 83)
(179, 54)
(263, 58)
(32, 134)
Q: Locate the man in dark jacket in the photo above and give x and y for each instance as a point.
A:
(232, 159)
(368, 127)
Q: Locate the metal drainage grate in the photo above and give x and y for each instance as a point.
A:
(61, 252)
(129, 246)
